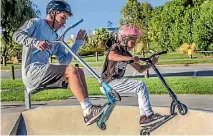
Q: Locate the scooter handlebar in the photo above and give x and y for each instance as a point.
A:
(130, 61)
(160, 53)
(147, 59)
(157, 54)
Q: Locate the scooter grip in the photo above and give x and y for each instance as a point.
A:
(77, 23)
(36, 52)
(130, 61)
(163, 52)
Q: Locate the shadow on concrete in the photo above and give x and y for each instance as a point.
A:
(8, 106)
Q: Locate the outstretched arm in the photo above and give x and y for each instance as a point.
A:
(65, 58)
(116, 57)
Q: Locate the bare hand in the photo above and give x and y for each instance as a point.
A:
(81, 35)
(136, 59)
(43, 45)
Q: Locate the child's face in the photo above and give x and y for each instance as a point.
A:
(131, 42)
(60, 20)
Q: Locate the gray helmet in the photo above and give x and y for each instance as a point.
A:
(59, 5)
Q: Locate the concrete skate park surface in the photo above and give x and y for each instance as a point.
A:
(68, 120)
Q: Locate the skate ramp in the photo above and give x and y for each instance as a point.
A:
(8, 123)
(123, 121)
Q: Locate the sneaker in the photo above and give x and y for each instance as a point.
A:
(94, 113)
(142, 119)
(151, 119)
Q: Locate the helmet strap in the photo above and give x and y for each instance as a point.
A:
(126, 39)
(53, 16)
(54, 22)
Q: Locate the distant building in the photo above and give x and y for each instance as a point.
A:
(112, 29)
(72, 36)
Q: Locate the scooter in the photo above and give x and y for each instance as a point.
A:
(182, 108)
(112, 95)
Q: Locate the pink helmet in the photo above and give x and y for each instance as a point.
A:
(128, 31)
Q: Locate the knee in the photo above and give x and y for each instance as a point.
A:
(70, 71)
(73, 71)
(79, 70)
(141, 87)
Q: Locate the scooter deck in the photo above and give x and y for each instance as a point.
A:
(147, 129)
(105, 115)
(108, 112)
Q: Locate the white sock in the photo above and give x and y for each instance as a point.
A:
(86, 105)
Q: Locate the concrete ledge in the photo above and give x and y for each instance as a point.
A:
(67, 120)
(9, 123)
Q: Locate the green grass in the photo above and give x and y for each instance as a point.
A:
(91, 64)
(172, 55)
(175, 55)
(161, 62)
(8, 67)
(9, 84)
(91, 59)
(184, 85)
(164, 59)
(170, 62)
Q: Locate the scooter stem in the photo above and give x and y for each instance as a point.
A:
(163, 81)
(80, 60)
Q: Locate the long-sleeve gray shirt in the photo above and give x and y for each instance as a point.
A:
(34, 66)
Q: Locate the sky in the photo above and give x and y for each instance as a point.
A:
(95, 13)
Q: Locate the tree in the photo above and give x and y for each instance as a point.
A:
(98, 39)
(176, 23)
(203, 27)
(155, 28)
(137, 14)
(13, 14)
(131, 14)
(96, 42)
(146, 12)
(169, 26)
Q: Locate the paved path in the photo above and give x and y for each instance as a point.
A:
(123, 121)
(65, 117)
(192, 70)
(203, 102)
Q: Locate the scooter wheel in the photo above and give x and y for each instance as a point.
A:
(144, 132)
(116, 95)
(182, 108)
(102, 126)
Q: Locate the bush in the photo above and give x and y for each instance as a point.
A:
(184, 48)
(91, 51)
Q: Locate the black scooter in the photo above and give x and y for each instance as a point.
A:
(182, 108)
